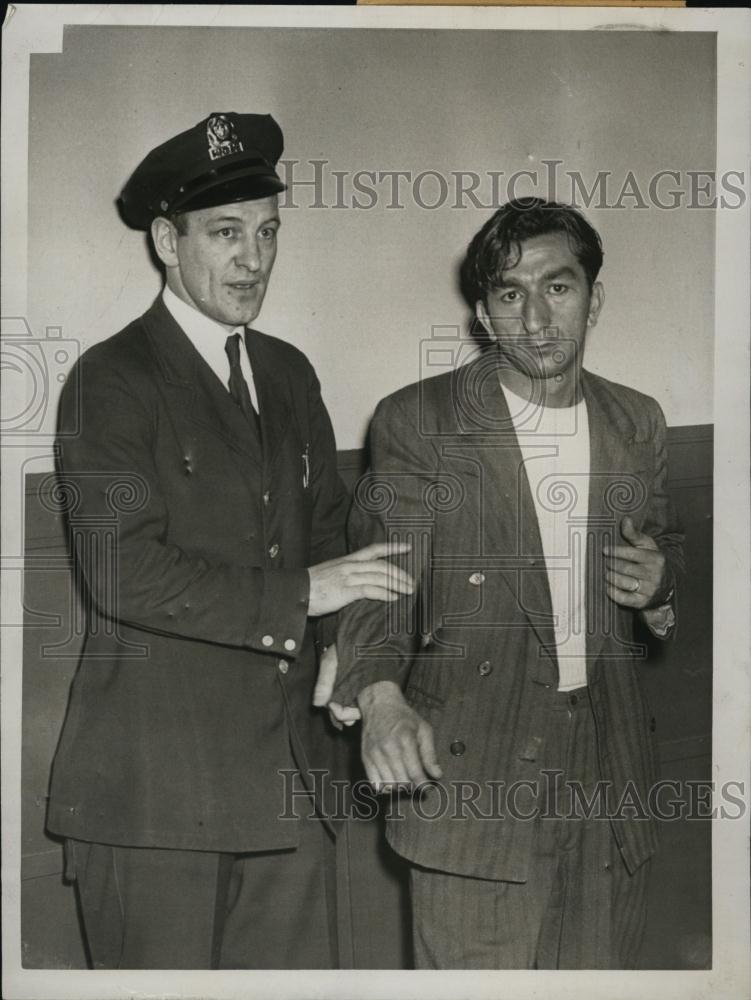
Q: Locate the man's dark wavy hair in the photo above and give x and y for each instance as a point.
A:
(496, 247)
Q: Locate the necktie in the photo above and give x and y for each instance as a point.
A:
(238, 387)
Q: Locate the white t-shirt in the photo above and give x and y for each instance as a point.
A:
(555, 447)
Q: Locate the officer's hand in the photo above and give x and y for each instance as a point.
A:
(365, 573)
(340, 715)
(397, 744)
(326, 676)
(637, 573)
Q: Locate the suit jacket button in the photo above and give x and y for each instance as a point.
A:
(457, 748)
(283, 666)
(484, 668)
(267, 640)
(274, 550)
(477, 579)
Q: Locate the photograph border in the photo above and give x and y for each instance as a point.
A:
(31, 29)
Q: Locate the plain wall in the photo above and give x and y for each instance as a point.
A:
(360, 290)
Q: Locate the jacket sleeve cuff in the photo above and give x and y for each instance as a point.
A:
(279, 625)
(365, 674)
(326, 631)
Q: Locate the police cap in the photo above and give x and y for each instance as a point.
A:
(224, 158)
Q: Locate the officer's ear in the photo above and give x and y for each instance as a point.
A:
(484, 320)
(164, 237)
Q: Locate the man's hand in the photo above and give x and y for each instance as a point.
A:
(339, 715)
(397, 745)
(637, 573)
(365, 573)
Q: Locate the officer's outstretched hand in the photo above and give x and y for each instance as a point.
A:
(397, 744)
(365, 573)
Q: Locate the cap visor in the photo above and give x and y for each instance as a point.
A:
(247, 187)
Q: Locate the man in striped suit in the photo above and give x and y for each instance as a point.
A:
(534, 495)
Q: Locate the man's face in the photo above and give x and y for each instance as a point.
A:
(222, 264)
(540, 311)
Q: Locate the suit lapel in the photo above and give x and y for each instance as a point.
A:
(616, 488)
(193, 388)
(511, 536)
(618, 467)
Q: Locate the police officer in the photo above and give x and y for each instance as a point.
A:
(208, 443)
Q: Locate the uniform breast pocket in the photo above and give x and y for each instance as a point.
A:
(294, 458)
(204, 473)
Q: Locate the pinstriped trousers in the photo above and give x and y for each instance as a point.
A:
(579, 908)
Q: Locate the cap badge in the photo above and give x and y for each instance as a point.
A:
(221, 137)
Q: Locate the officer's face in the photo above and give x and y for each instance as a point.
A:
(541, 309)
(222, 263)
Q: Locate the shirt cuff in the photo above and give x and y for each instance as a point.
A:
(660, 621)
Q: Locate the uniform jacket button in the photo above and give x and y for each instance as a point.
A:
(267, 640)
(266, 497)
(283, 666)
(274, 550)
(477, 579)
(484, 668)
(457, 748)
(289, 645)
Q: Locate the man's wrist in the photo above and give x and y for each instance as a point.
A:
(659, 615)
(377, 693)
(662, 599)
(664, 596)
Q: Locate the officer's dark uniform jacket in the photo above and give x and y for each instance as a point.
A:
(191, 540)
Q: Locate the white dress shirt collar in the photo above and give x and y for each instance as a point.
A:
(209, 337)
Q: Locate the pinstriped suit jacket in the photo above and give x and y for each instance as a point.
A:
(474, 649)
